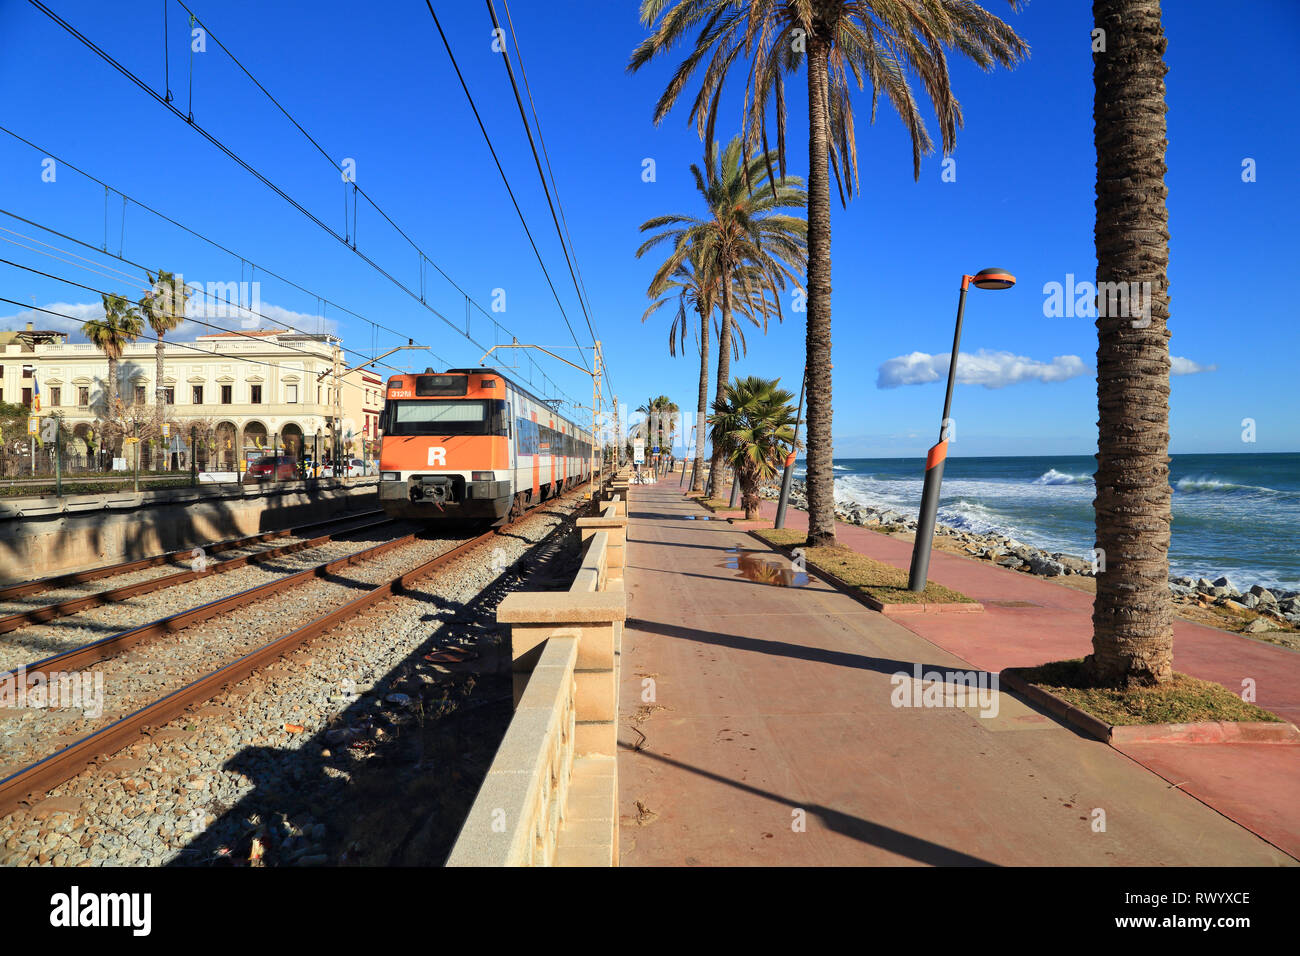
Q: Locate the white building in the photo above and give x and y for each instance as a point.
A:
(258, 391)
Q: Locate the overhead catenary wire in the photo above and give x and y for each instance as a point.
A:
(121, 274)
(505, 179)
(215, 141)
(177, 343)
(523, 116)
(357, 190)
(541, 139)
(179, 225)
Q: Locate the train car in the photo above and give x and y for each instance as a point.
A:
(473, 444)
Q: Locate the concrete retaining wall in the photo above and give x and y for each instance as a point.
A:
(44, 536)
(551, 794)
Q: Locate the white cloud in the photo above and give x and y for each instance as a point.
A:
(53, 320)
(1185, 366)
(213, 317)
(990, 369)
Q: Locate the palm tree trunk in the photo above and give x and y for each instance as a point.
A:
(820, 480)
(158, 394)
(697, 471)
(1132, 614)
(724, 376)
(111, 412)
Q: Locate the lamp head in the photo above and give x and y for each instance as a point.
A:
(993, 279)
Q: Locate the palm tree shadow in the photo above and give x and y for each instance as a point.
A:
(856, 828)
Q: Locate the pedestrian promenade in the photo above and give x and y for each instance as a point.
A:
(1029, 620)
(758, 726)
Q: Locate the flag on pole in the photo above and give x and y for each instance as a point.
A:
(36, 394)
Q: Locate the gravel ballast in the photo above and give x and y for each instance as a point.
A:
(270, 770)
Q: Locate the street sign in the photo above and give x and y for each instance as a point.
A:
(638, 451)
(33, 425)
(167, 430)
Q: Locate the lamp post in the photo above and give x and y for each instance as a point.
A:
(984, 279)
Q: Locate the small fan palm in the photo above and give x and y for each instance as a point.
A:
(752, 425)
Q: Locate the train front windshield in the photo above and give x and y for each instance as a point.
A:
(461, 417)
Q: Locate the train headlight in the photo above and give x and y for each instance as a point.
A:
(390, 476)
(482, 476)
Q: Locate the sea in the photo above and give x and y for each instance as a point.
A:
(1236, 515)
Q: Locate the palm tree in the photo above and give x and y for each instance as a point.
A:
(164, 307)
(647, 429)
(753, 426)
(877, 41)
(120, 326)
(668, 410)
(1132, 639)
(692, 286)
(659, 414)
(746, 241)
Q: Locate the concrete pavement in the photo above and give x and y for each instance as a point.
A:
(1029, 620)
(757, 728)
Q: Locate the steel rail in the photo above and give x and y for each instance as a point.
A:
(73, 605)
(25, 588)
(85, 655)
(47, 773)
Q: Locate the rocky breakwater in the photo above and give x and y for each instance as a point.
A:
(1266, 609)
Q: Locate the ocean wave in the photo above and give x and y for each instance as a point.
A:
(1054, 477)
(1211, 485)
(976, 517)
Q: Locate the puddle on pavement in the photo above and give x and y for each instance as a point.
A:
(698, 517)
(762, 567)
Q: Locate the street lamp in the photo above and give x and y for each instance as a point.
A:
(984, 279)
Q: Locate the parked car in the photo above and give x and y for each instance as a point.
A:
(359, 468)
(272, 468)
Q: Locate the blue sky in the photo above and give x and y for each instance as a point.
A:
(377, 87)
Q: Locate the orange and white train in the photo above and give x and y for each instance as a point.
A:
(471, 443)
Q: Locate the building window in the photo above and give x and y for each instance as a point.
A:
(196, 394)
(291, 394)
(27, 397)
(169, 395)
(56, 397)
(226, 397)
(256, 394)
(139, 394)
(83, 396)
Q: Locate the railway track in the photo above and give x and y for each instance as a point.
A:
(46, 773)
(60, 581)
(49, 612)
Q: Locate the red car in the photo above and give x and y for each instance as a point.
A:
(279, 468)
